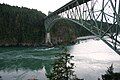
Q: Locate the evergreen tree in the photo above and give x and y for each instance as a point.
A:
(63, 68)
(110, 75)
(110, 70)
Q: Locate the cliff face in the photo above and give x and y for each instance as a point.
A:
(63, 32)
(21, 26)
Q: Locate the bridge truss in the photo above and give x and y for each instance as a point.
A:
(100, 17)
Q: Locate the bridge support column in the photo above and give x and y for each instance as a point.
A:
(48, 39)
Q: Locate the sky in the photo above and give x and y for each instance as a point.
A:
(41, 5)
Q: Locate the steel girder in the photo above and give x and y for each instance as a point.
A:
(100, 17)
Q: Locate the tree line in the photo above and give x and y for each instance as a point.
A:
(25, 27)
(21, 26)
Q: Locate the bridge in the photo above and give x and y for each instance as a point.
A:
(100, 17)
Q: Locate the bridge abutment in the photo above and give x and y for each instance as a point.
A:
(48, 39)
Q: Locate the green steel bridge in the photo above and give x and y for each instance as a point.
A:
(100, 17)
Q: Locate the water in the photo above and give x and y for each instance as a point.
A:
(91, 58)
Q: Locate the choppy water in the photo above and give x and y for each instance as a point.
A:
(91, 58)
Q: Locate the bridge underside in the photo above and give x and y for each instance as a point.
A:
(100, 17)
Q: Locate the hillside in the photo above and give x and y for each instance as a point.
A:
(66, 32)
(20, 26)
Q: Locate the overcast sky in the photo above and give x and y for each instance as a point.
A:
(41, 5)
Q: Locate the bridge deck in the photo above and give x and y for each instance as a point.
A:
(65, 7)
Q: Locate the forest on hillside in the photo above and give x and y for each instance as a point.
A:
(21, 26)
(66, 32)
